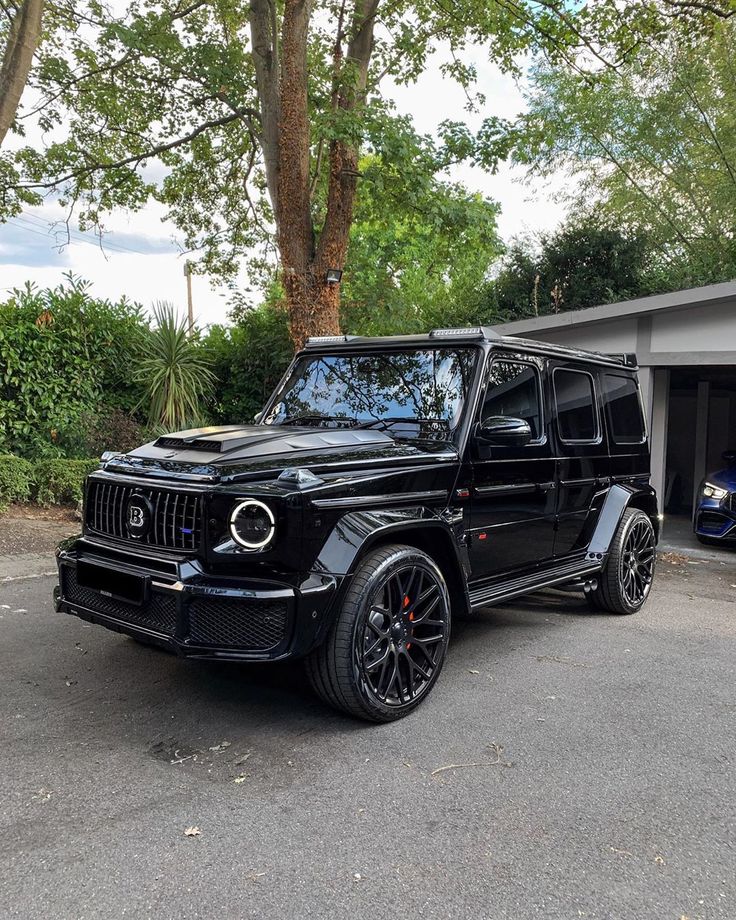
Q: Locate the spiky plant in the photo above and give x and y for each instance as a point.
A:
(176, 374)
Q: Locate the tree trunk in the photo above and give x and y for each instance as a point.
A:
(282, 78)
(25, 33)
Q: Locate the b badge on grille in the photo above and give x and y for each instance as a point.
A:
(138, 516)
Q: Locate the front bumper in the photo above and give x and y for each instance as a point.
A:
(716, 519)
(198, 615)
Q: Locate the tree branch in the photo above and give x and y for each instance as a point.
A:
(96, 166)
(25, 34)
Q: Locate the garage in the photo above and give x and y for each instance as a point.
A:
(685, 343)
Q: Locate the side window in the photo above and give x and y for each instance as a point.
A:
(623, 409)
(577, 416)
(513, 390)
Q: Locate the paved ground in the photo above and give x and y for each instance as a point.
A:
(597, 772)
(30, 529)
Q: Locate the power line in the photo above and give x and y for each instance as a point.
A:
(78, 236)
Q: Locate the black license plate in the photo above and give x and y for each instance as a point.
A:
(112, 583)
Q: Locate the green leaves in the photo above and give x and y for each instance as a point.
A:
(175, 373)
(62, 353)
(651, 146)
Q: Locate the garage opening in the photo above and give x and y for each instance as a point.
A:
(701, 426)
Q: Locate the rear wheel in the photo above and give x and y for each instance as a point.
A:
(627, 579)
(388, 644)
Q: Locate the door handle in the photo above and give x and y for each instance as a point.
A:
(545, 486)
(603, 481)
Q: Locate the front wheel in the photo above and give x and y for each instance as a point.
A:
(387, 647)
(627, 579)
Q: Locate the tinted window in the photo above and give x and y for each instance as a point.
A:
(624, 409)
(577, 418)
(513, 390)
(425, 389)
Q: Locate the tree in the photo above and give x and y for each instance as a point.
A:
(420, 248)
(583, 264)
(257, 136)
(21, 32)
(175, 372)
(652, 147)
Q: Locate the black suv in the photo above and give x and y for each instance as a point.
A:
(388, 485)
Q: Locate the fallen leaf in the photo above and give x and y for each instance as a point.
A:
(473, 671)
(241, 778)
(192, 832)
(222, 746)
(242, 760)
(659, 860)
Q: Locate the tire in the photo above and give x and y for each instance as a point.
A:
(626, 581)
(387, 646)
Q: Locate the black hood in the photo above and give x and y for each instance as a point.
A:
(239, 451)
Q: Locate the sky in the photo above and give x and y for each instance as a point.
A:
(140, 257)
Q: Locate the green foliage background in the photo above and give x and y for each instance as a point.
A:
(63, 353)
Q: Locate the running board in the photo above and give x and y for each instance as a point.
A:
(492, 594)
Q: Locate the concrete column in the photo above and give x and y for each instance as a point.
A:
(701, 435)
(660, 407)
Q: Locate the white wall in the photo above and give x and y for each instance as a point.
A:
(613, 337)
(705, 328)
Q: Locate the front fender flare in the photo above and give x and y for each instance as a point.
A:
(436, 533)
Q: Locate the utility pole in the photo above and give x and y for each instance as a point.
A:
(190, 306)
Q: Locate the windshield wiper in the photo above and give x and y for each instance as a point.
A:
(402, 419)
(307, 418)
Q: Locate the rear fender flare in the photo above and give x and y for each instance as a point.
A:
(619, 498)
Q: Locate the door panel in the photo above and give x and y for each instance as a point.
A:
(512, 504)
(583, 466)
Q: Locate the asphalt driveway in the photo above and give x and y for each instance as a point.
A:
(595, 772)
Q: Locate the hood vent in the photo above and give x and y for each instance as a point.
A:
(197, 444)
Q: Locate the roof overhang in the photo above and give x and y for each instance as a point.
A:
(709, 295)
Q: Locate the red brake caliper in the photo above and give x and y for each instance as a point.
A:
(411, 615)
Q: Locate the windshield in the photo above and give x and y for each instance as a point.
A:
(414, 393)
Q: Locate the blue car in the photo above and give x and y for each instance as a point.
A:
(714, 520)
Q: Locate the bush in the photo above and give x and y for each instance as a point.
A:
(60, 481)
(248, 360)
(62, 353)
(109, 429)
(15, 480)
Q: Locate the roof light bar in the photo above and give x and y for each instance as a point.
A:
(474, 332)
(326, 339)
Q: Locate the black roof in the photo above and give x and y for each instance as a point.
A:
(483, 334)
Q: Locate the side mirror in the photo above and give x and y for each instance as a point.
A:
(729, 456)
(257, 418)
(505, 431)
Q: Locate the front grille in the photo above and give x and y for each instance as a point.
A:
(176, 522)
(159, 613)
(236, 623)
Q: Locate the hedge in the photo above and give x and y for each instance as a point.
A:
(60, 481)
(16, 476)
(49, 482)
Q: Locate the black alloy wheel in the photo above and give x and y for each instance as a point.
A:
(627, 579)
(387, 647)
(404, 635)
(636, 565)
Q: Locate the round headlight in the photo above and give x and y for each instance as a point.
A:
(252, 524)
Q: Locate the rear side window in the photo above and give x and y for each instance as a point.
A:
(513, 390)
(577, 416)
(623, 409)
